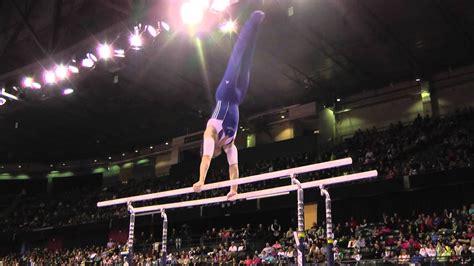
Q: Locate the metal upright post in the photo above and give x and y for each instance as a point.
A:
(301, 231)
(329, 234)
(131, 233)
(165, 237)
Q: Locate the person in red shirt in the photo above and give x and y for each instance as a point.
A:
(256, 260)
(248, 261)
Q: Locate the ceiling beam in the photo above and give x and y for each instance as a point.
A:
(380, 28)
(29, 6)
(456, 25)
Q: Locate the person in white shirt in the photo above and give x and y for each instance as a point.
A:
(233, 248)
(431, 251)
(458, 249)
(352, 243)
(423, 251)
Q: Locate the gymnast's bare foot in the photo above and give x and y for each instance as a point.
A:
(197, 186)
(231, 195)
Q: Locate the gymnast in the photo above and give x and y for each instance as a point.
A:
(222, 127)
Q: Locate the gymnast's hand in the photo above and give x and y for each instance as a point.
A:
(197, 186)
(231, 195)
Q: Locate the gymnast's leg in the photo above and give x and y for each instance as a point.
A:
(233, 85)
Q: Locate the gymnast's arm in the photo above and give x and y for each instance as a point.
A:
(210, 136)
(232, 159)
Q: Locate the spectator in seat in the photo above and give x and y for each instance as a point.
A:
(360, 243)
(275, 228)
(356, 256)
(458, 249)
(290, 254)
(233, 248)
(466, 255)
(417, 258)
(289, 234)
(352, 243)
(256, 260)
(378, 251)
(247, 261)
(277, 245)
(266, 251)
(404, 257)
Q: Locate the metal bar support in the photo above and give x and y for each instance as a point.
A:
(329, 234)
(131, 233)
(300, 210)
(164, 238)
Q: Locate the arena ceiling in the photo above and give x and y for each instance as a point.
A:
(308, 50)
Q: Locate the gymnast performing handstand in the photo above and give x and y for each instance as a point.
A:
(222, 127)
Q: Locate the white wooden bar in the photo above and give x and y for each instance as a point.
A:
(243, 180)
(257, 194)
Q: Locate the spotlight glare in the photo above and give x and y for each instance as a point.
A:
(202, 4)
(228, 27)
(5, 94)
(87, 62)
(73, 69)
(338, 99)
(49, 77)
(219, 6)
(165, 26)
(191, 14)
(119, 53)
(61, 72)
(136, 40)
(36, 86)
(152, 31)
(92, 57)
(27, 82)
(104, 50)
(3, 101)
(68, 91)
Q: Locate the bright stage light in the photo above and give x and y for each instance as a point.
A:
(27, 82)
(36, 86)
(136, 41)
(104, 51)
(191, 13)
(152, 31)
(165, 26)
(202, 4)
(5, 94)
(73, 69)
(3, 101)
(119, 53)
(87, 62)
(49, 77)
(68, 91)
(219, 6)
(228, 27)
(61, 72)
(92, 57)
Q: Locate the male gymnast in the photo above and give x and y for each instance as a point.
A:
(222, 127)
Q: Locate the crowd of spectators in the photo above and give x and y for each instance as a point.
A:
(426, 144)
(446, 236)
